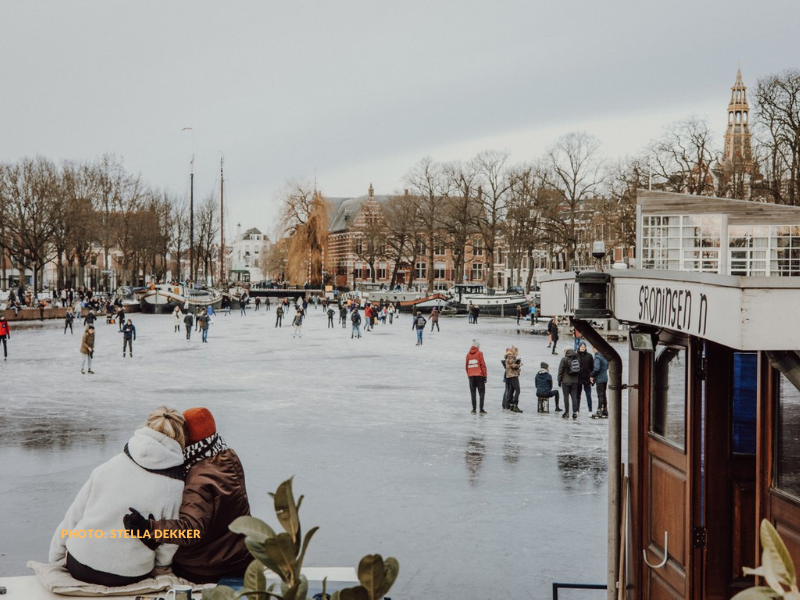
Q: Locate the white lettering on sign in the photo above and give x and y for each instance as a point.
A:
(673, 308)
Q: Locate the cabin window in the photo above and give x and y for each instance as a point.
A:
(787, 464)
(745, 392)
(668, 408)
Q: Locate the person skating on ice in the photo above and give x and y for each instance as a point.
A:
(188, 322)
(419, 323)
(5, 335)
(297, 323)
(552, 332)
(355, 318)
(87, 349)
(513, 367)
(569, 373)
(435, 319)
(128, 335)
(68, 319)
(476, 373)
(279, 316)
(331, 313)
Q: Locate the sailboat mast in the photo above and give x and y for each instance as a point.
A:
(221, 222)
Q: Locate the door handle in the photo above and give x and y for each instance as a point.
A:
(666, 554)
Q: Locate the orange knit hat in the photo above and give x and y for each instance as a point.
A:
(199, 424)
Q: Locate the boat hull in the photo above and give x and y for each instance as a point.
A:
(492, 306)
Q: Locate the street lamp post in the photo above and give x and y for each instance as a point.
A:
(191, 205)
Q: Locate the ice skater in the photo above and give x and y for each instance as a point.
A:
(476, 373)
(128, 335)
(331, 314)
(552, 332)
(87, 349)
(435, 319)
(419, 324)
(279, 316)
(188, 321)
(343, 316)
(68, 319)
(176, 319)
(5, 334)
(513, 365)
(355, 319)
(204, 319)
(297, 322)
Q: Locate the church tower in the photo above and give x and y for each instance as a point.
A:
(738, 139)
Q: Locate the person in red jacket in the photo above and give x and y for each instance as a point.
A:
(476, 372)
(5, 334)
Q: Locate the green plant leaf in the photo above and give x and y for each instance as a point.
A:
(285, 508)
(221, 592)
(371, 574)
(756, 593)
(257, 550)
(302, 589)
(391, 569)
(354, 593)
(253, 528)
(254, 578)
(781, 562)
(302, 557)
(748, 571)
(281, 550)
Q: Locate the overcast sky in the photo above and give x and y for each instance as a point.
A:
(357, 91)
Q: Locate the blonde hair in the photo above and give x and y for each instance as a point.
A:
(169, 422)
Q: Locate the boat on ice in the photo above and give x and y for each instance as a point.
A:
(164, 297)
(464, 295)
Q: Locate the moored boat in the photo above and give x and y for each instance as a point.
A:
(488, 302)
(163, 298)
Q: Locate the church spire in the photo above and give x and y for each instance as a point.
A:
(738, 138)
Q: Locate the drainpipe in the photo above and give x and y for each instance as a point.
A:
(614, 396)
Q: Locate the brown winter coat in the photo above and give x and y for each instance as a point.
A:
(512, 366)
(214, 495)
(87, 342)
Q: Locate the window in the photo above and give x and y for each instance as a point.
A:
(745, 391)
(382, 271)
(787, 463)
(668, 408)
(477, 271)
(681, 243)
(439, 270)
(477, 247)
(359, 246)
(784, 251)
(438, 248)
(422, 248)
(422, 270)
(748, 247)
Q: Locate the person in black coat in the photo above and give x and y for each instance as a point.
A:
(552, 332)
(128, 335)
(188, 321)
(585, 377)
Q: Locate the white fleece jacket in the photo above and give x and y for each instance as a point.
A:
(103, 501)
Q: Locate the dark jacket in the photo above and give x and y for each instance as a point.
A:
(214, 495)
(203, 321)
(600, 370)
(355, 318)
(564, 376)
(552, 329)
(544, 382)
(129, 332)
(419, 322)
(587, 366)
(188, 320)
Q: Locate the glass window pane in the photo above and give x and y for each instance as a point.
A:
(668, 409)
(788, 433)
(745, 387)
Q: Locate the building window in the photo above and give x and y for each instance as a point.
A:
(787, 463)
(422, 270)
(359, 246)
(422, 248)
(477, 247)
(438, 249)
(382, 271)
(439, 270)
(477, 271)
(784, 249)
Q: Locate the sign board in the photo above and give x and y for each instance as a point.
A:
(745, 313)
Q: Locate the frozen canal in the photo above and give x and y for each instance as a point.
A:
(377, 432)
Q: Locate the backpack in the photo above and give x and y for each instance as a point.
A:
(421, 322)
(356, 318)
(574, 365)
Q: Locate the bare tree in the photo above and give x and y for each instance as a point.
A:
(778, 121)
(400, 215)
(30, 197)
(574, 172)
(681, 159)
(179, 234)
(207, 233)
(428, 185)
(76, 227)
(495, 184)
(461, 210)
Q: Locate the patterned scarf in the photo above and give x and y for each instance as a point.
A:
(211, 446)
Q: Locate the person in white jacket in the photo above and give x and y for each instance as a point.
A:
(177, 317)
(148, 474)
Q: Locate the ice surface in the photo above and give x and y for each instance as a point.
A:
(377, 432)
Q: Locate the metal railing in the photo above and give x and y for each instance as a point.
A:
(577, 586)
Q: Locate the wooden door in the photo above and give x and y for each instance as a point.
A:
(668, 502)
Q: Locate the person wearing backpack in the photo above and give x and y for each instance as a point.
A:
(343, 315)
(331, 313)
(355, 318)
(569, 373)
(419, 324)
(600, 379)
(544, 384)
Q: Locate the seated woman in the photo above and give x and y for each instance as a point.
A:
(148, 473)
(214, 496)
